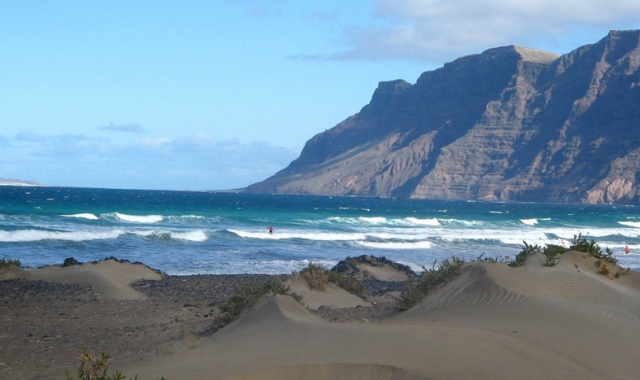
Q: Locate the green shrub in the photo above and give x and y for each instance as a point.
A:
(580, 243)
(6, 262)
(277, 287)
(553, 249)
(410, 296)
(550, 259)
(483, 259)
(521, 257)
(94, 368)
(350, 284)
(551, 252)
(316, 275)
(247, 296)
(416, 290)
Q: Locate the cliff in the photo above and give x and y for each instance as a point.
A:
(509, 124)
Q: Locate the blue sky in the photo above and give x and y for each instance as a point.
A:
(202, 95)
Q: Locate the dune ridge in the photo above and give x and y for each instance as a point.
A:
(491, 322)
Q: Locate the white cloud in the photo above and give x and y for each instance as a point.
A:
(64, 146)
(194, 162)
(439, 30)
(130, 128)
(30, 136)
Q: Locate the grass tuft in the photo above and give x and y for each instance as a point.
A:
(317, 277)
(350, 284)
(6, 263)
(521, 257)
(247, 296)
(95, 368)
(551, 253)
(580, 243)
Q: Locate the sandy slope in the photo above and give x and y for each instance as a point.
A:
(492, 322)
(111, 278)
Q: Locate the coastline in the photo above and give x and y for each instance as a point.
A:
(490, 322)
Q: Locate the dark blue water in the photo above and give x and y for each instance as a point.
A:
(183, 232)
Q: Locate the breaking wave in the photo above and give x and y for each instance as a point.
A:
(39, 235)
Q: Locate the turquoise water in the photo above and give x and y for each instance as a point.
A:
(182, 232)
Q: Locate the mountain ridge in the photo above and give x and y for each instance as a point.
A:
(509, 124)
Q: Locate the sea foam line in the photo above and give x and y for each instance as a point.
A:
(82, 216)
(195, 236)
(396, 245)
(279, 235)
(631, 224)
(382, 221)
(38, 235)
(533, 221)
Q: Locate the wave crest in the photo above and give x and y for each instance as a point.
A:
(139, 218)
(39, 235)
(87, 215)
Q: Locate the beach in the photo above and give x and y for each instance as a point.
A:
(491, 321)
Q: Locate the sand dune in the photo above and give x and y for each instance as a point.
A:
(110, 278)
(568, 321)
(492, 322)
(333, 295)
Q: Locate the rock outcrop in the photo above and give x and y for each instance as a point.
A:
(510, 124)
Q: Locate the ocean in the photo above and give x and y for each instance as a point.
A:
(189, 232)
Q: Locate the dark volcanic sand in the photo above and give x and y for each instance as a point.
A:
(43, 326)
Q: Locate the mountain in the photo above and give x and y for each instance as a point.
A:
(509, 124)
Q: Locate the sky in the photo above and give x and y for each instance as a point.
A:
(220, 94)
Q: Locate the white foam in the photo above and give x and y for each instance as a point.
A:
(462, 222)
(396, 245)
(82, 216)
(311, 235)
(382, 221)
(253, 267)
(373, 220)
(197, 235)
(186, 218)
(423, 222)
(412, 234)
(139, 218)
(360, 221)
(38, 235)
(631, 224)
(533, 221)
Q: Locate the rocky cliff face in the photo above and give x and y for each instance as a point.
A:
(510, 124)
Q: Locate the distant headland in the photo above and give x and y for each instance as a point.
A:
(17, 182)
